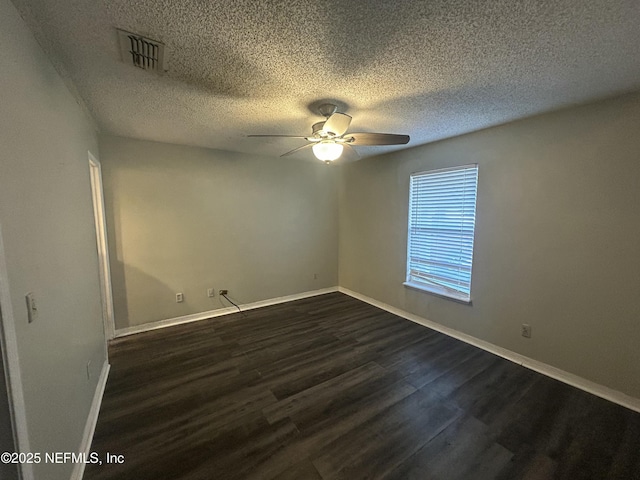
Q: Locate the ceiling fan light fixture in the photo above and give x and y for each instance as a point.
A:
(329, 137)
(327, 151)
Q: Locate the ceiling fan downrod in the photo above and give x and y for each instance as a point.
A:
(327, 109)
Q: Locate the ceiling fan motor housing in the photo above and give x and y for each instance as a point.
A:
(317, 127)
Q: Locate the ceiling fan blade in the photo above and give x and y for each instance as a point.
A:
(291, 152)
(337, 124)
(371, 139)
(283, 136)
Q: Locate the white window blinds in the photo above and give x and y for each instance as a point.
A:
(442, 217)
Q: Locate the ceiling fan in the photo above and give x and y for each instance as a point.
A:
(329, 138)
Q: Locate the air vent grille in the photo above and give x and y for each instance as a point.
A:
(141, 52)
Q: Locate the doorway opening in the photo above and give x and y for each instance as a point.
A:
(13, 418)
(95, 171)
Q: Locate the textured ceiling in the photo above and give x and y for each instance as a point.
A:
(428, 69)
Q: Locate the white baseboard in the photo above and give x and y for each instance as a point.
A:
(92, 419)
(146, 327)
(540, 367)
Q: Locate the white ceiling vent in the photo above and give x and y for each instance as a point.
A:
(141, 52)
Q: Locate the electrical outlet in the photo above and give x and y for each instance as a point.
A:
(210, 292)
(315, 276)
(179, 297)
(223, 292)
(89, 370)
(32, 307)
(526, 330)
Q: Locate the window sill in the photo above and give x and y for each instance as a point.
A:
(460, 298)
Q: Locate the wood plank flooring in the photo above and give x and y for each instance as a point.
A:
(332, 388)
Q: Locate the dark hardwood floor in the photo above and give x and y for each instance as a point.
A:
(333, 388)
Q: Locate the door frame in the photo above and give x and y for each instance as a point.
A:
(97, 196)
(13, 376)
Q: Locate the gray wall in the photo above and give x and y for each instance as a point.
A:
(184, 219)
(47, 224)
(557, 240)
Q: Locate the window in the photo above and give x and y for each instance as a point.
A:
(442, 218)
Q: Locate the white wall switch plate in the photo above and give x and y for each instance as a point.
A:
(32, 307)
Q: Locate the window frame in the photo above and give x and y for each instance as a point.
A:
(440, 291)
